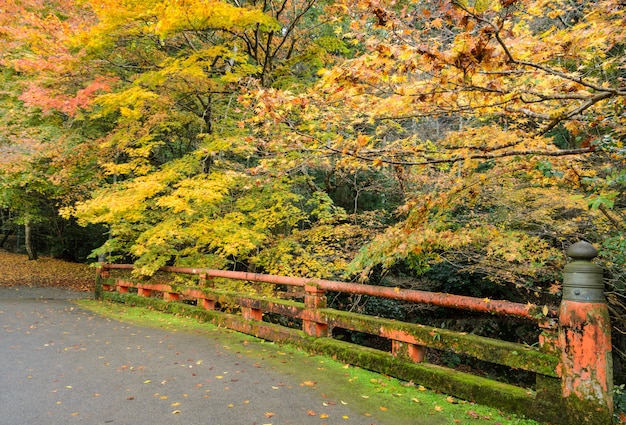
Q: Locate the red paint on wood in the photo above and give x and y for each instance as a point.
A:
(207, 304)
(143, 292)
(171, 296)
(314, 299)
(505, 308)
(586, 362)
(549, 336)
(414, 352)
(252, 313)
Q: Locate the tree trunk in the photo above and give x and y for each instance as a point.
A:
(6, 236)
(32, 254)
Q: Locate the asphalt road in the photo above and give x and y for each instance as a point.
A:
(62, 365)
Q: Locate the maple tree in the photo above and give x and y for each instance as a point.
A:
(499, 123)
(180, 165)
(44, 164)
(466, 105)
(32, 185)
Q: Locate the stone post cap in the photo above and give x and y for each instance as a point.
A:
(582, 279)
(583, 251)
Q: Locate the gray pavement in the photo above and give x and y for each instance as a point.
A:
(60, 364)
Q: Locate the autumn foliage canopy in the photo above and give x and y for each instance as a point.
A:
(452, 145)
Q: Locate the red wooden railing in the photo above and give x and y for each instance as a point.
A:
(480, 305)
(550, 360)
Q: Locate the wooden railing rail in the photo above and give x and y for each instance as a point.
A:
(461, 302)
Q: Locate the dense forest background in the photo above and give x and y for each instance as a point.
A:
(457, 146)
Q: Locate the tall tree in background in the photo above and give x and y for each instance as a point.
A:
(46, 162)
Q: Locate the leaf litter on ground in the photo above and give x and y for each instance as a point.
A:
(18, 270)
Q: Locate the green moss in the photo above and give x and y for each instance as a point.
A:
(509, 354)
(586, 412)
(463, 385)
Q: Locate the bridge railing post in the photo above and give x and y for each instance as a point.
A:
(585, 340)
(144, 292)
(102, 273)
(314, 299)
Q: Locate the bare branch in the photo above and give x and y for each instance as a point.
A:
(455, 159)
